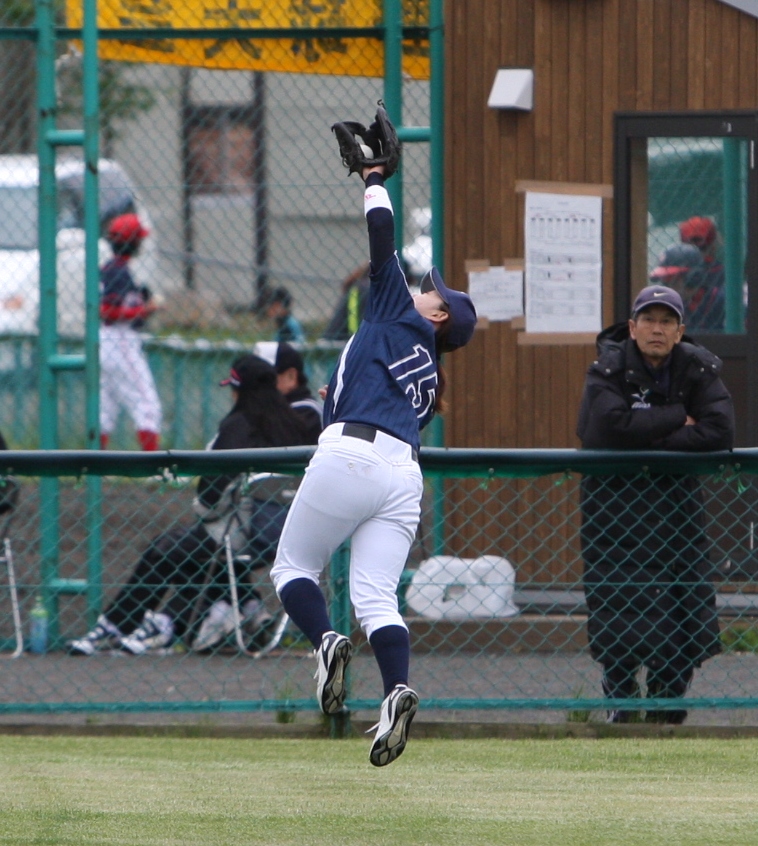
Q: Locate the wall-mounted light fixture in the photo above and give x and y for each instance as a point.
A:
(513, 88)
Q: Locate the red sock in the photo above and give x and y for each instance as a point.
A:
(149, 441)
(104, 441)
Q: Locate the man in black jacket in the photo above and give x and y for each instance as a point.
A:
(646, 576)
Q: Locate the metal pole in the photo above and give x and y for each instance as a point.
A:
(48, 388)
(393, 99)
(188, 232)
(437, 121)
(733, 237)
(260, 184)
(92, 304)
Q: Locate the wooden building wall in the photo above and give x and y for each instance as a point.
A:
(591, 58)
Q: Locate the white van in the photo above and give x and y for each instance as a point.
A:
(19, 251)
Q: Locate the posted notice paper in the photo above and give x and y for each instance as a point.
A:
(497, 293)
(563, 262)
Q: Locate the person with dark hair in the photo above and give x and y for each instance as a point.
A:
(125, 377)
(650, 599)
(260, 417)
(364, 481)
(276, 305)
(292, 382)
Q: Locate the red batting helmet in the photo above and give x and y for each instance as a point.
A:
(700, 231)
(126, 229)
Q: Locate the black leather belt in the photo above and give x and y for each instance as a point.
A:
(366, 433)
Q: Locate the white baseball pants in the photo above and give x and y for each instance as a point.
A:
(369, 492)
(126, 380)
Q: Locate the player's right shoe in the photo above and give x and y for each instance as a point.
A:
(398, 711)
(156, 632)
(332, 657)
(104, 636)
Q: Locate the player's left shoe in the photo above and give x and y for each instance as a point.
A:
(332, 657)
(398, 711)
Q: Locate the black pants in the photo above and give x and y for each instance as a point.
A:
(181, 559)
(668, 681)
(178, 559)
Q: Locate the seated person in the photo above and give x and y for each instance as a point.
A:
(261, 416)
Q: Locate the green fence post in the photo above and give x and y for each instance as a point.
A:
(393, 98)
(92, 305)
(734, 249)
(48, 386)
(180, 363)
(339, 572)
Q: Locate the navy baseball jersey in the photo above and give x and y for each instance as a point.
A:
(387, 374)
(118, 291)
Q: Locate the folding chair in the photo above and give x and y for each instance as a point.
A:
(263, 488)
(281, 623)
(8, 500)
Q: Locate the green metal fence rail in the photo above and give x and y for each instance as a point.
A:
(502, 630)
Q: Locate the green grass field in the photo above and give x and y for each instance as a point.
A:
(182, 792)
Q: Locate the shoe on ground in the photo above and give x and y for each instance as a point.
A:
(103, 637)
(398, 711)
(217, 625)
(155, 633)
(623, 717)
(258, 625)
(332, 657)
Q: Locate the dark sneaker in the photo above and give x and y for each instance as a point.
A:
(398, 711)
(623, 717)
(103, 637)
(332, 658)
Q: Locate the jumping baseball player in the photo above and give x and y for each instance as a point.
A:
(364, 481)
(125, 377)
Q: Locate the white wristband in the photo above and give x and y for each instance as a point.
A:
(376, 197)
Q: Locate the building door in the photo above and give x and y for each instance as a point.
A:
(686, 195)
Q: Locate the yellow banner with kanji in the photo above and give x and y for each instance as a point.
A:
(327, 55)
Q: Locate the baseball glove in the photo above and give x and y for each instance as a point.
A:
(361, 147)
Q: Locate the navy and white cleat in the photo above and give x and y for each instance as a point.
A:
(332, 657)
(398, 711)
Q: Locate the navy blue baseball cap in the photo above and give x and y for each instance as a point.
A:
(658, 295)
(462, 319)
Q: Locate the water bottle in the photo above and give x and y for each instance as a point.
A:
(38, 628)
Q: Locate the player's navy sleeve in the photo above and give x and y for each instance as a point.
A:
(392, 355)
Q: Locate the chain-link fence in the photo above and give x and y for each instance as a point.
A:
(234, 172)
(532, 572)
